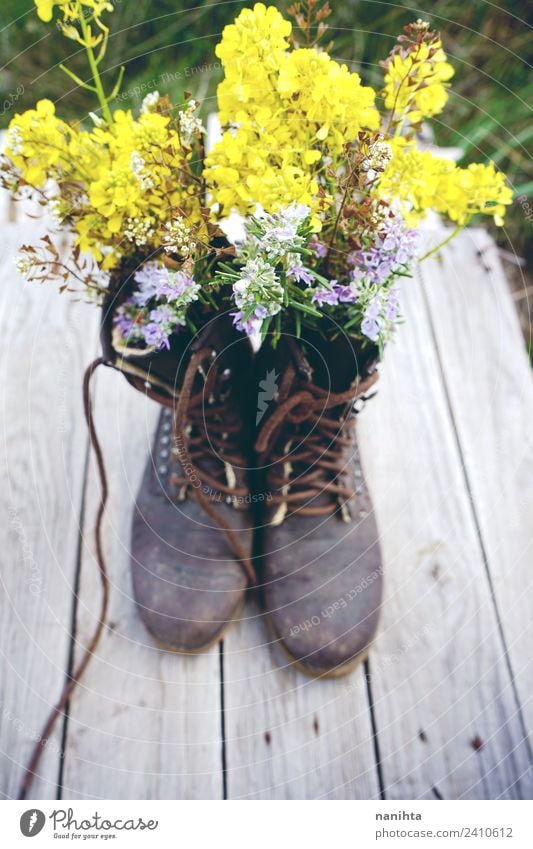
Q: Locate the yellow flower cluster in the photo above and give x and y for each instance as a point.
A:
(288, 110)
(38, 143)
(420, 181)
(70, 8)
(415, 82)
(132, 173)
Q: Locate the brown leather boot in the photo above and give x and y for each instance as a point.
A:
(322, 570)
(192, 526)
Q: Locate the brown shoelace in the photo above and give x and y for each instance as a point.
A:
(186, 405)
(214, 434)
(315, 453)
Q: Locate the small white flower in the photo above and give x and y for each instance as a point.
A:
(57, 210)
(138, 231)
(24, 264)
(379, 156)
(138, 166)
(15, 141)
(150, 102)
(177, 237)
(189, 123)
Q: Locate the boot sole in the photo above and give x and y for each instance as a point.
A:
(318, 672)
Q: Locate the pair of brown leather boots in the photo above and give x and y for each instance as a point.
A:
(255, 481)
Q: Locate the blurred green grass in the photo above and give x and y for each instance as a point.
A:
(170, 46)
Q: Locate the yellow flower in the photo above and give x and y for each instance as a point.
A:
(72, 8)
(417, 75)
(45, 9)
(317, 90)
(419, 181)
(37, 143)
(130, 170)
(288, 110)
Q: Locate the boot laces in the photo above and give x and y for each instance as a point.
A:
(306, 442)
(198, 438)
(207, 431)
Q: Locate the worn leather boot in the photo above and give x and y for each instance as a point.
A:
(191, 543)
(321, 570)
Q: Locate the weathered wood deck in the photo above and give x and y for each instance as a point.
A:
(442, 708)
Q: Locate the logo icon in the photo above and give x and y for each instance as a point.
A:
(32, 822)
(269, 388)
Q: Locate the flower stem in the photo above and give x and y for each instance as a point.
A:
(93, 64)
(439, 247)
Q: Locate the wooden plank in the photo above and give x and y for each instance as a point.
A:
(445, 709)
(291, 737)
(43, 347)
(145, 724)
(489, 384)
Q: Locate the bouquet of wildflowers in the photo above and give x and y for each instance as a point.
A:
(327, 174)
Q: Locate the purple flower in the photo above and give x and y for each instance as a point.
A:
(154, 334)
(163, 315)
(123, 323)
(373, 309)
(347, 294)
(250, 325)
(178, 285)
(394, 248)
(319, 247)
(325, 296)
(370, 328)
(153, 281)
(393, 305)
(301, 274)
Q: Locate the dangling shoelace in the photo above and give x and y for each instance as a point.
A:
(185, 402)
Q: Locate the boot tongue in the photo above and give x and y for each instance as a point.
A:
(338, 364)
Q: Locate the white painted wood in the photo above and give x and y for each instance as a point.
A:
(287, 736)
(145, 723)
(489, 382)
(44, 339)
(439, 677)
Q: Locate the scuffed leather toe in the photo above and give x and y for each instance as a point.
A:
(323, 590)
(185, 598)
